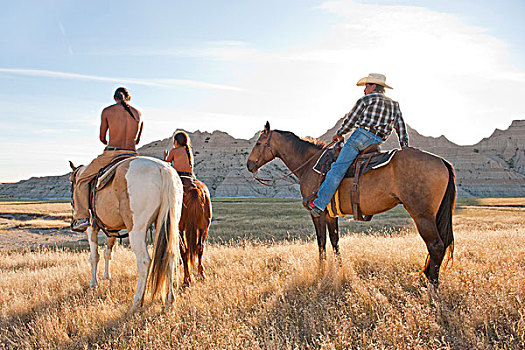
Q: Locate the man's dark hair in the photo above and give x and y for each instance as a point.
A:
(122, 96)
(380, 88)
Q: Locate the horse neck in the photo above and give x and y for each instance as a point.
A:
(285, 149)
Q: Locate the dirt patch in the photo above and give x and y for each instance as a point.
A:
(19, 238)
(22, 230)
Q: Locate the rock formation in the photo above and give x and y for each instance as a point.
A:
(495, 166)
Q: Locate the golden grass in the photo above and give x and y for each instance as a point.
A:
(50, 208)
(275, 296)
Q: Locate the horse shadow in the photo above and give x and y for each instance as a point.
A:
(340, 303)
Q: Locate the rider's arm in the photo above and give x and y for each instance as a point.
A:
(351, 117)
(400, 127)
(103, 128)
(137, 140)
(168, 156)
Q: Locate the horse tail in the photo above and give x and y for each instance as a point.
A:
(167, 238)
(444, 214)
(193, 221)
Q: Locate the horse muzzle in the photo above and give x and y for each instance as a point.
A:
(252, 166)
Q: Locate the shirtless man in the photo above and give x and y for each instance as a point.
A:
(122, 123)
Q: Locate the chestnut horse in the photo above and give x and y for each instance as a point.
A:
(144, 191)
(194, 225)
(422, 182)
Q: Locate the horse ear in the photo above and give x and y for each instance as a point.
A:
(267, 127)
(72, 166)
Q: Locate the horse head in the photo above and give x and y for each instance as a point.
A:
(74, 174)
(262, 152)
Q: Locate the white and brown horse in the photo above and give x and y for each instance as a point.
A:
(144, 191)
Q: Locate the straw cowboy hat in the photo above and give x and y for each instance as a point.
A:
(374, 78)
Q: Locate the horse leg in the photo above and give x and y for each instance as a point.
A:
(92, 237)
(320, 230)
(107, 257)
(200, 251)
(171, 292)
(185, 262)
(428, 230)
(333, 232)
(137, 241)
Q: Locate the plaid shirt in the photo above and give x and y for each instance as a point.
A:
(378, 112)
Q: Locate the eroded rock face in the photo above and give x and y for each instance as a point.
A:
(220, 162)
(39, 187)
(495, 166)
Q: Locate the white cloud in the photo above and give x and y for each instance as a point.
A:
(450, 77)
(223, 50)
(66, 39)
(163, 83)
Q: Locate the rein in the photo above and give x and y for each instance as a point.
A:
(267, 182)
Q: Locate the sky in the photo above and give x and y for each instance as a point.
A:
(457, 68)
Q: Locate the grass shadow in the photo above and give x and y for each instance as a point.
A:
(349, 308)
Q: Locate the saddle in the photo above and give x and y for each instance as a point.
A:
(370, 158)
(104, 177)
(188, 180)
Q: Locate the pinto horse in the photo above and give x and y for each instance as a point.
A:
(422, 182)
(194, 225)
(144, 191)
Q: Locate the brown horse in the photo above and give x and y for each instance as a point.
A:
(194, 224)
(422, 182)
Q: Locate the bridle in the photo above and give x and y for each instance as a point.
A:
(73, 181)
(267, 182)
(265, 145)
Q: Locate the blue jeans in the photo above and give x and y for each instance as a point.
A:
(358, 141)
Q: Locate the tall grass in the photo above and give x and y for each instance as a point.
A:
(276, 295)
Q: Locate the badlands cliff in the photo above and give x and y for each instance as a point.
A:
(495, 166)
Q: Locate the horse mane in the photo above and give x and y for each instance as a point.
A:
(302, 144)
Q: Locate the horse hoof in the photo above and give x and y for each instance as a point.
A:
(169, 305)
(132, 309)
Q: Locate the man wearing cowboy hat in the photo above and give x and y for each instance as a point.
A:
(373, 117)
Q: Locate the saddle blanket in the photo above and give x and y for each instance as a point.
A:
(369, 161)
(334, 207)
(378, 159)
(106, 174)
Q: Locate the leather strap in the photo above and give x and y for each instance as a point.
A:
(92, 193)
(361, 164)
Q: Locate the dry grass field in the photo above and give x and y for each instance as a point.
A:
(264, 287)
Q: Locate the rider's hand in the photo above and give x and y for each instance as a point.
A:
(338, 138)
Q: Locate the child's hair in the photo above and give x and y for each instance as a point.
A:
(122, 95)
(183, 139)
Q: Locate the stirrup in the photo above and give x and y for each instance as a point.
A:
(314, 210)
(80, 225)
